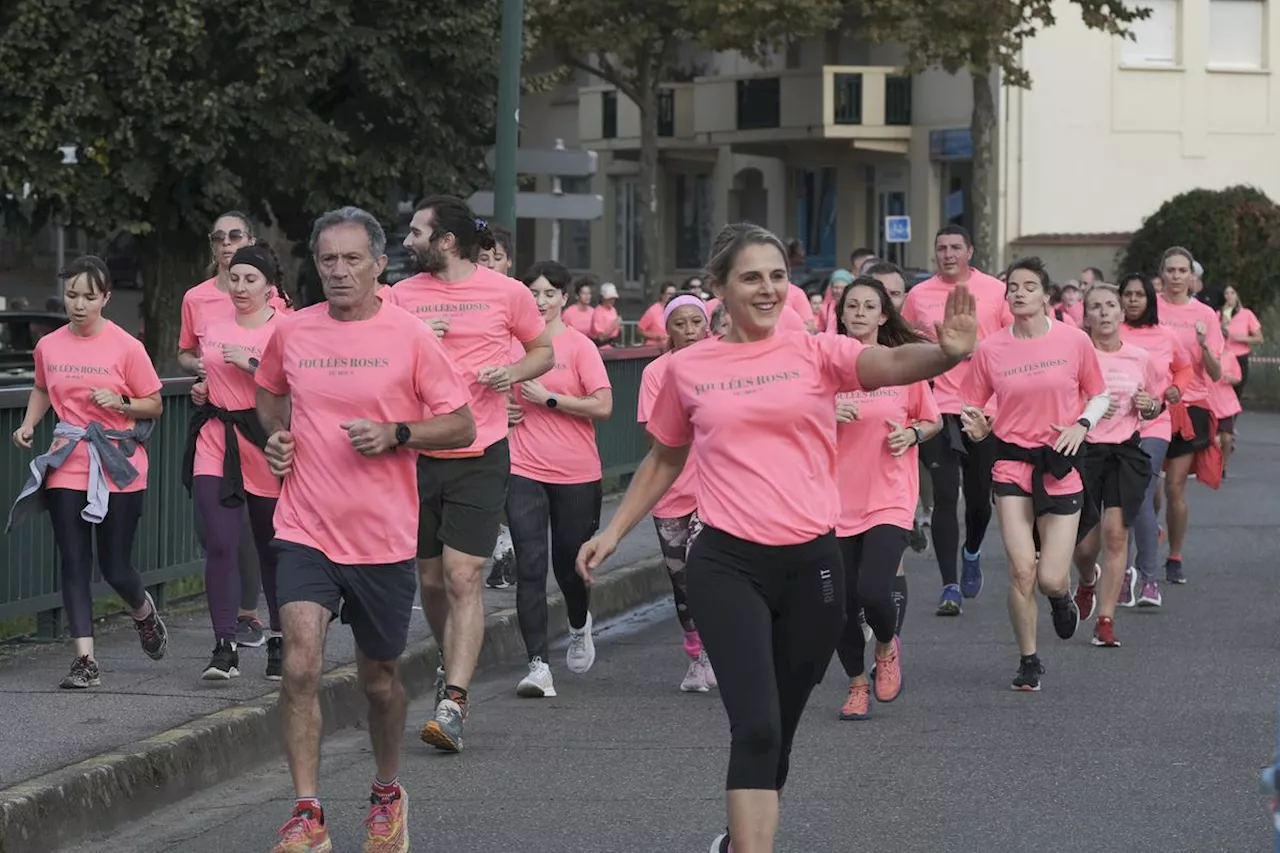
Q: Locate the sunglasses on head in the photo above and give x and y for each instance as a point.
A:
(233, 235)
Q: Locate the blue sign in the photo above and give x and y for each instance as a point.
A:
(897, 229)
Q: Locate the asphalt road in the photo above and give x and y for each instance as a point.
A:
(1151, 748)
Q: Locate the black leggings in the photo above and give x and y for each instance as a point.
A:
(246, 559)
(870, 563)
(769, 617)
(74, 537)
(945, 465)
(573, 513)
(225, 526)
(1244, 376)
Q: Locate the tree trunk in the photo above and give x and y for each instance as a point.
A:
(651, 263)
(274, 235)
(168, 271)
(982, 128)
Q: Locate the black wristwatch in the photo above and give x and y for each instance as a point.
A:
(125, 401)
(552, 402)
(253, 362)
(919, 434)
(402, 435)
(1084, 422)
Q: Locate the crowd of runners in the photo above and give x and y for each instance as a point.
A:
(345, 456)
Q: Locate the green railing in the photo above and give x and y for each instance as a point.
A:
(166, 548)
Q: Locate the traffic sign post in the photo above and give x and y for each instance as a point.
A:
(897, 229)
(543, 205)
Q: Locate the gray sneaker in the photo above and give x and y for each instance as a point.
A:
(83, 674)
(249, 632)
(151, 632)
(445, 731)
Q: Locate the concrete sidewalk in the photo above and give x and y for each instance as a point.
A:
(156, 730)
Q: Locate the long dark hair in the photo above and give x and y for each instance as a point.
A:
(1151, 316)
(894, 331)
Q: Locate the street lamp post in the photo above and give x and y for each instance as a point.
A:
(69, 158)
(504, 172)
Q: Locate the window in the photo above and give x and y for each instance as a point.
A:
(693, 220)
(1155, 40)
(575, 234)
(1236, 31)
(628, 240)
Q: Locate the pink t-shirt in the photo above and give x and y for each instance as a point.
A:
(205, 303)
(875, 486)
(651, 325)
(926, 305)
(1223, 400)
(70, 368)
(798, 301)
(552, 446)
(1166, 358)
(606, 326)
(1243, 323)
(1049, 379)
(231, 388)
(788, 321)
(1076, 312)
(1181, 321)
(577, 316)
(762, 418)
(486, 311)
(1125, 371)
(388, 369)
(682, 498)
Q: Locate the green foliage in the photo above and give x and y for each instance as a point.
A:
(1234, 233)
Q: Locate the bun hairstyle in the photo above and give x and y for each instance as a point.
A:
(452, 215)
(264, 258)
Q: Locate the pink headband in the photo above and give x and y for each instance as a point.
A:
(681, 300)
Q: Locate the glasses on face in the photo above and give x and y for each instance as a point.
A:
(235, 235)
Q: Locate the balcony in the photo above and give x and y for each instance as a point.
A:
(609, 120)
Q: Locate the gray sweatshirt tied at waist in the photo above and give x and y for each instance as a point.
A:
(106, 459)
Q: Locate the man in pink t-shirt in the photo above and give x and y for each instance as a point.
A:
(651, 323)
(478, 315)
(951, 452)
(350, 390)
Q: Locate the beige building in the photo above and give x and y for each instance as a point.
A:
(824, 141)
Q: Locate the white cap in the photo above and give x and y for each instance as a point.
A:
(1197, 270)
(608, 291)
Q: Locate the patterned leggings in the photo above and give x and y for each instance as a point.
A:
(675, 535)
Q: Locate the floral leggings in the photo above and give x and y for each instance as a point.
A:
(675, 535)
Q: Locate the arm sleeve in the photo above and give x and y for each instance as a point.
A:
(838, 360)
(650, 385)
(923, 406)
(270, 375)
(39, 380)
(140, 375)
(977, 389)
(591, 370)
(526, 321)
(187, 339)
(669, 422)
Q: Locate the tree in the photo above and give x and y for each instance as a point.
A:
(982, 38)
(1234, 233)
(634, 47)
(186, 108)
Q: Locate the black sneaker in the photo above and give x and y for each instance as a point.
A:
(83, 674)
(496, 579)
(151, 632)
(1173, 572)
(275, 658)
(1028, 678)
(225, 664)
(249, 632)
(1066, 616)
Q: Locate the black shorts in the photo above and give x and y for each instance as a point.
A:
(1180, 446)
(1060, 504)
(375, 600)
(1102, 484)
(463, 501)
(1227, 425)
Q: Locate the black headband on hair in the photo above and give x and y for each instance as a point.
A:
(255, 256)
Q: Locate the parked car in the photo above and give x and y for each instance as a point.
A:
(19, 331)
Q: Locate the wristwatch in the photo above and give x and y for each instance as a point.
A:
(919, 434)
(552, 402)
(1084, 422)
(253, 362)
(402, 434)
(125, 401)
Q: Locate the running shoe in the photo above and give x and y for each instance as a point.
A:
(970, 573)
(441, 694)
(225, 664)
(707, 672)
(387, 826)
(858, 704)
(496, 579)
(1150, 596)
(249, 632)
(275, 658)
(151, 632)
(1066, 616)
(1173, 571)
(695, 678)
(721, 843)
(1128, 598)
(503, 573)
(305, 832)
(537, 684)
(445, 731)
(917, 539)
(83, 674)
(949, 603)
(1028, 678)
(1087, 597)
(1104, 633)
(582, 648)
(888, 677)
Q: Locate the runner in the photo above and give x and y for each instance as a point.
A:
(1114, 469)
(769, 598)
(1242, 330)
(878, 476)
(840, 279)
(555, 480)
(580, 313)
(675, 514)
(606, 325)
(224, 468)
(500, 258)
(1196, 328)
(464, 492)
(1224, 403)
(343, 389)
(651, 321)
(1173, 369)
(105, 394)
(950, 453)
(1040, 370)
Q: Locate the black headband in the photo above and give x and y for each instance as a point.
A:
(255, 256)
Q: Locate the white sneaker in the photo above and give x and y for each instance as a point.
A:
(537, 684)
(695, 679)
(708, 674)
(582, 649)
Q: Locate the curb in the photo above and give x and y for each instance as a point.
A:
(103, 792)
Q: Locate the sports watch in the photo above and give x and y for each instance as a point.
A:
(402, 435)
(552, 402)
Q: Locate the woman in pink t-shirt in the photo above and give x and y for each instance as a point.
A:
(766, 584)
(555, 479)
(1224, 403)
(1114, 468)
(99, 382)
(606, 325)
(1242, 330)
(579, 314)
(878, 476)
(1041, 370)
(226, 470)
(675, 516)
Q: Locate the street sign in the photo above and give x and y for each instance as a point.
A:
(897, 229)
(561, 163)
(544, 205)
